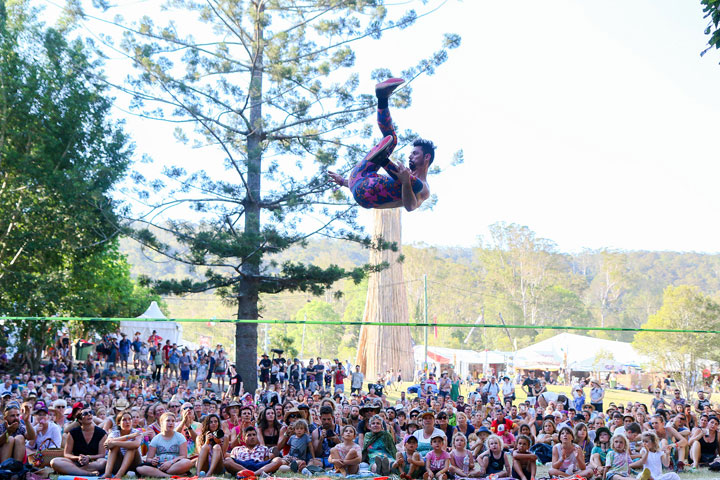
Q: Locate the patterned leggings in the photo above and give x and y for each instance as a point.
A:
(372, 189)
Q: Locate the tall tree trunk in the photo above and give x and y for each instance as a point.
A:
(383, 348)
(247, 293)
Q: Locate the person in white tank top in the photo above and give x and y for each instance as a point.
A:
(653, 459)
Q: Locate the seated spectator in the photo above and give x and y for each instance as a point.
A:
(123, 446)
(252, 456)
(346, 457)
(14, 430)
(212, 444)
(167, 452)
(48, 434)
(379, 448)
(84, 448)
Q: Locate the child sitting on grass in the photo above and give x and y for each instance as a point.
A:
(462, 463)
(437, 460)
(409, 463)
(346, 456)
(524, 466)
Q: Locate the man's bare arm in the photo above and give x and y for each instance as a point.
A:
(337, 178)
(409, 199)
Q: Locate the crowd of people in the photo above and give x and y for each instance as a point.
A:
(149, 408)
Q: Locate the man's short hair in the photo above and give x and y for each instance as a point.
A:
(326, 410)
(634, 427)
(427, 147)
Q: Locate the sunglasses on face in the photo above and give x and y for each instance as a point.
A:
(293, 415)
(86, 413)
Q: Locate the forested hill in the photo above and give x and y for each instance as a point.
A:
(515, 274)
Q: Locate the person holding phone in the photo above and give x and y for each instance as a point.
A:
(212, 445)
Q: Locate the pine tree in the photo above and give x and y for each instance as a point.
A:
(271, 85)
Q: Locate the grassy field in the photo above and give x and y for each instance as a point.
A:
(615, 396)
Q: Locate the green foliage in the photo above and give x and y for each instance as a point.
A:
(683, 307)
(272, 87)
(711, 9)
(59, 158)
(461, 283)
(320, 340)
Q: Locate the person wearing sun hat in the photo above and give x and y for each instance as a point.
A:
(424, 435)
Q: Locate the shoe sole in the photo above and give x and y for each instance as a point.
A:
(379, 149)
(390, 82)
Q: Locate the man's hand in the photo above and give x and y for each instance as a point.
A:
(12, 427)
(337, 178)
(403, 173)
(25, 410)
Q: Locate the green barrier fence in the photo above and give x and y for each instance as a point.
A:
(389, 324)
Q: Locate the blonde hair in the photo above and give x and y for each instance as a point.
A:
(652, 438)
(301, 422)
(165, 416)
(623, 438)
(461, 436)
(496, 438)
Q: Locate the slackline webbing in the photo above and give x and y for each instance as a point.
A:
(381, 324)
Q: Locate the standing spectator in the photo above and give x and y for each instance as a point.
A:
(124, 349)
(508, 389)
(339, 376)
(265, 365)
(154, 339)
(221, 366)
(136, 348)
(445, 385)
(166, 356)
(295, 373)
(236, 386)
(174, 361)
(185, 366)
(356, 380)
(492, 389)
(597, 393)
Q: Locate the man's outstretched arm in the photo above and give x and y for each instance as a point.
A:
(337, 178)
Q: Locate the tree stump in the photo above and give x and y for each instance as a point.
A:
(383, 348)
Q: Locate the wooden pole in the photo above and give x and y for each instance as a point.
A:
(383, 348)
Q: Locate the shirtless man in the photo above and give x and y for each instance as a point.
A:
(404, 187)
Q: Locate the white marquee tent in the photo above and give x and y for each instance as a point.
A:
(578, 352)
(167, 330)
(461, 359)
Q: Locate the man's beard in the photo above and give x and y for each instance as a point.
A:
(354, 417)
(411, 164)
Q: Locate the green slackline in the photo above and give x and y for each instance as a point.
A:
(381, 324)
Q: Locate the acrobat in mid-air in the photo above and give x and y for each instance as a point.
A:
(403, 186)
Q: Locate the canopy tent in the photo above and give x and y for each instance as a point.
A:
(166, 330)
(578, 352)
(460, 359)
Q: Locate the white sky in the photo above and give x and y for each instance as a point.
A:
(593, 123)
